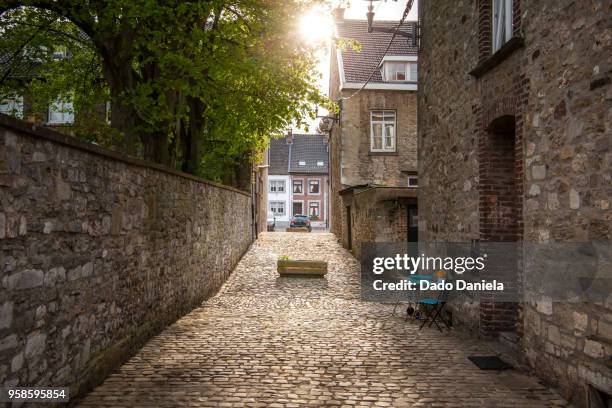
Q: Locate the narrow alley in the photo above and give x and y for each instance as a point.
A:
(266, 341)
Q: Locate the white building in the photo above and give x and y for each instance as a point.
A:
(279, 198)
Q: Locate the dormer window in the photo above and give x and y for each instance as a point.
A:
(399, 71)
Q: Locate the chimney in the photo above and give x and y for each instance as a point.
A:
(290, 136)
(338, 14)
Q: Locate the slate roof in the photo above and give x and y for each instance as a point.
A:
(278, 157)
(284, 158)
(20, 68)
(358, 65)
(310, 149)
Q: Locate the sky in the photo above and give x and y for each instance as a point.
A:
(356, 9)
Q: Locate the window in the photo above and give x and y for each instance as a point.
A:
(60, 52)
(382, 131)
(12, 106)
(277, 207)
(320, 164)
(277, 186)
(298, 186)
(413, 181)
(313, 209)
(313, 186)
(298, 208)
(301, 163)
(399, 71)
(61, 112)
(502, 23)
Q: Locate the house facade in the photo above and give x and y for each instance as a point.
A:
(20, 102)
(373, 143)
(515, 125)
(279, 182)
(298, 178)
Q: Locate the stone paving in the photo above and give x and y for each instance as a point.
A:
(266, 341)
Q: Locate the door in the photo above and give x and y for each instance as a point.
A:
(298, 208)
(413, 223)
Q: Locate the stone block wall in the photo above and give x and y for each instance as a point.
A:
(555, 83)
(351, 161)
(360, 165)
(99, 252)
(377, 215)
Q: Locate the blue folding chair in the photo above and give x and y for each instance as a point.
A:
(413, 310)
(434, 309)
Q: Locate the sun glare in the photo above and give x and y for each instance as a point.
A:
(316, 26)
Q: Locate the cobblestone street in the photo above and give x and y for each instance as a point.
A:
(266, 341)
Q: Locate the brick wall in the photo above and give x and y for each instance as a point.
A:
(306, 197)
(99, 253)
(554, 82)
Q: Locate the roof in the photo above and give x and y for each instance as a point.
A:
(358, 65)
(309, 149)
(284, 158)
(278, 156)
(17, 68)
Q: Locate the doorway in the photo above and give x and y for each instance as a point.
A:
(500, 204)
(413, 223)
(298, 208)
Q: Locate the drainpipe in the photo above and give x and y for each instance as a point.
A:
(253, 212)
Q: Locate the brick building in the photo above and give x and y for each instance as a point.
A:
(515, 125)
(298, 178)
(373, 167)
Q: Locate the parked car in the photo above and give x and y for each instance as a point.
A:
(271, 221)
(300, 221)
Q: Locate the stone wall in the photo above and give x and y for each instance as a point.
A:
(360, 165)
(99, 253)
(553, 81)
(351, 161)
(378, 214)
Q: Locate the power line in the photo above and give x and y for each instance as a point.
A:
(406, 12)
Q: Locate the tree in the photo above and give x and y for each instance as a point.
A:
(185, 75)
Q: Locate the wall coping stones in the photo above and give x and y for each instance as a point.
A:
(45, 133)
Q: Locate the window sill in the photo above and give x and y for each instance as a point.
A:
(371, 153)
(500, 55)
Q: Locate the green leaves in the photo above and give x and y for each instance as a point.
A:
(241, 59)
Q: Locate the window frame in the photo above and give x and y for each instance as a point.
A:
(310, 184)
(318, 203)
(293, 182)
(14, 106)
(507, 7)
(61, 105)
(407, 71)
(383, 124)
(413, 177)
(273, 207)
(276, 183)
